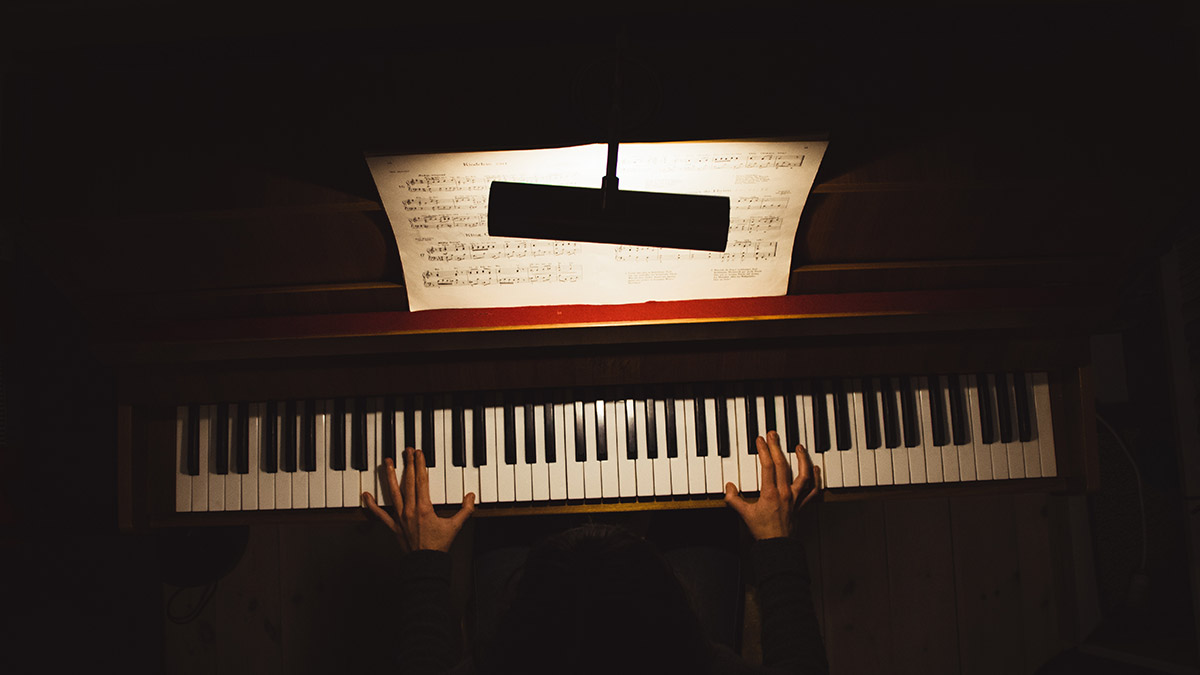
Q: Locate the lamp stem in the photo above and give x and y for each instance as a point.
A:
(608, 187)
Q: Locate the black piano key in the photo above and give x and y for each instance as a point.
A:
(241, 449)
(288, 451)
(820, 417)
(601, 432)
(697, 396)
(411, 411)
(193, 441)
(270, 441)
(908, 414)
(478, 432)
(1004, 409)
(551, 431)
(388, 429)
(672, 436)
(791, 420)
(1024, 428)
(309, 455)
(510, 430)
(221, 447)
(458, 432)
(631, 438)
(751, 419)
(580, 432)
(958, 410)
(530, 433)
(337, 436)
(987, 409)
(428, 439)
(651, 430)
(841, 415)
(358, 435)
(891, 414)
(723, 449)
(768, 393)
(871, 413)
(937, 411)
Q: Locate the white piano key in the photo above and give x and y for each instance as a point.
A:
(1044, 427)
(251, 480)
(899, 454)
(626, 467)
(233, 480)
(1016, 454)
(283, 479)
(351, 492)
(609, 476)
(850, 461)
(966, 451)
(575, 468)
(489, 482)
(214, 486)
(866, 456)
(983, 453)
(505, 475)
(832, 459)
(645, 465)
(470, 472)
(541, 469)
(950, 473)
(522, 470)
(662, 465)
(591, 466)
(333, 479)
(299, 476)
(998, 449)
(747, 462)
(183, 481)
(714, 480)
(558, 468)
(687, 472)
(932, 453)
(1032, 456)
(806, 424)
(883, 456)
(696, 465)
(453, 474)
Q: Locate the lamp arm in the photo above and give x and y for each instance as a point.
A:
(608, 187)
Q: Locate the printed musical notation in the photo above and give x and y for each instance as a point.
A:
(503, 275)
(736, 251)
(444, 203)
(492, 249)
(755, 224)
(446, 220)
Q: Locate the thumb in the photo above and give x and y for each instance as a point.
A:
(465, 511)
(734, 499)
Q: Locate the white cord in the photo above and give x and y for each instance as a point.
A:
(1137, 474)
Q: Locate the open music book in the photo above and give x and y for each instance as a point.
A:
(437, 205)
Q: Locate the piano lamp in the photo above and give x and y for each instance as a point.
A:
(608, 215)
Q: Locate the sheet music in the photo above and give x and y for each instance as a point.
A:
(437, 205)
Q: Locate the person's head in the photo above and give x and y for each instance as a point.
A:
(599, 599)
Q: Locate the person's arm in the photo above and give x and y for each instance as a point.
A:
(426, 623)
(791, 638)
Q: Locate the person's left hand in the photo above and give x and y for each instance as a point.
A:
(417, 525)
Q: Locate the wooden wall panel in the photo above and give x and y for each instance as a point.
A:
(854, 576)
(987, 584)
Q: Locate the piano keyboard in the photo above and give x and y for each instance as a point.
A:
(643, 442)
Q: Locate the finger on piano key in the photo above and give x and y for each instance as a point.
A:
(1043, 427)
(966, 449)
(1016, 453)
(997, 447)
(931, 453)
(983, 454)
(866, 456)
(387, 437)
(563, 450)
(541, 466)
(799, 400)
(591, 465)
(471, 470)
(714, 464)
(662, 464)
(489, 482)
(183, 450)
(645, 460)
(573, 416)
(884, 474)
(505, 434)
(851, 469)
(747, 461)
(788, 399)
(609, 475)
(696, 465)
(1023, 389)
(319, 465)
(950, 472)
(351, 489)
(299, 476)
(264, 423)
(626, 467)
(233, 479)
(452, 475)
(252, 477)
(897, 450)
(522, 468)
(679, 461)
(832, 459)
(215, 482)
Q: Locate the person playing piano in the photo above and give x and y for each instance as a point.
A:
(600, 599)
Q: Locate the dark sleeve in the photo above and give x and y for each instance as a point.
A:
(791, 638)
(427, 628)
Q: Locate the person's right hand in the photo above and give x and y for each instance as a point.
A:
(416, 525)
(770, 515)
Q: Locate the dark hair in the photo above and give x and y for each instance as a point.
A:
(598, 599)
